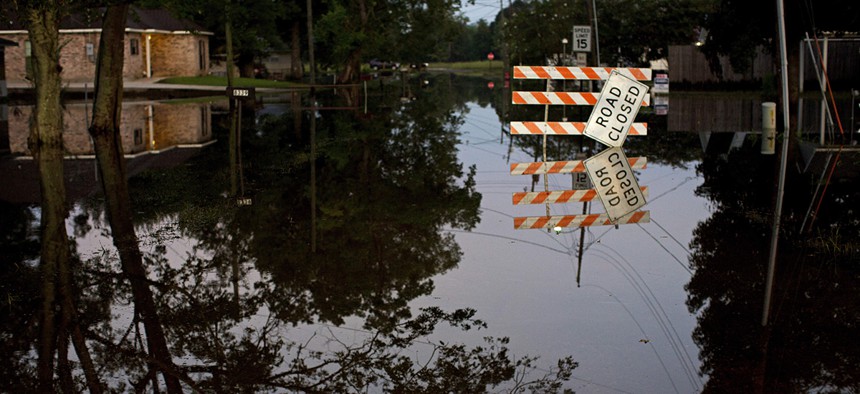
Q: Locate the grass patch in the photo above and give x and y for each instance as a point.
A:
(211, 80)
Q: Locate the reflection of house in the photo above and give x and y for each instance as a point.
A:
(146, 127)
(156, 45)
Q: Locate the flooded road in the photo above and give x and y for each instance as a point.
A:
(363, 248)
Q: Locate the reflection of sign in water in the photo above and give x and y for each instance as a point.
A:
(580, 181)
(614, 112)
(610, 173)
(615, 183)
(661, 104)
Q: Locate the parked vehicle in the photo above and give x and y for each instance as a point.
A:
(377, 64)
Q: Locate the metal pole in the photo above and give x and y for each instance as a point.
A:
(783, 59)
(596, 36)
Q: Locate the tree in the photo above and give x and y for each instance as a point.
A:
(107, 106)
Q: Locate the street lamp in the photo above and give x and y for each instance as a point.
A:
(563, 51)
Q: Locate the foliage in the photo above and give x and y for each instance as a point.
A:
(803, 348)
(737, 28)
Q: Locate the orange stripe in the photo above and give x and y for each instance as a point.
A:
(589, 220)
(518, 73)
(566, 73)
(590, 98)
(556, 126)
(541, 72)
(567, 98)
(541, 197)
(590, 73)
(541, 98)
(580, 126)
(589, 195)
(565, 221)
(636, 217)
(557, 166)
(638, 74)
(518, 222)
(517, 197)
(517, 98)
(540, 222)
(533, 128)
(566, 196)
(608, 70)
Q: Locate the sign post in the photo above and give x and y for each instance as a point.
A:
(615, 183)
(615, 110)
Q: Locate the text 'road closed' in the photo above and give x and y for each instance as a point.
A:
(615, 182)
(615, 110)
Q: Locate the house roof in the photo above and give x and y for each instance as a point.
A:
(139, 19)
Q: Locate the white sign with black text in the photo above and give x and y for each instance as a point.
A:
(615, 110)
(582, 38)
(615, 182)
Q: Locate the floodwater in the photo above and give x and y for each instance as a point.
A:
(345, 218)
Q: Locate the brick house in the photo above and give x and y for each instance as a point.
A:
(156, 45)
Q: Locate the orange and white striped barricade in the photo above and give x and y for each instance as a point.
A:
(559, 196)
(578, 73)
(565, 167)
(565, 128)
(560, 98)
(566, 221)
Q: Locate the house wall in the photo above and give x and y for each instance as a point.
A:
(15, 64)
(134, 64)
(171, 55)
(688, 64)
(179, 55)
(79, 63)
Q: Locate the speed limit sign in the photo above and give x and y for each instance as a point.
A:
(582, 38)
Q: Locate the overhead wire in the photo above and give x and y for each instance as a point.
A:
(660, 316)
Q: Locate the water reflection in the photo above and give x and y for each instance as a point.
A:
(150, 132)
(146, 127)
(237, 287)
(247, 305)
(804, 348)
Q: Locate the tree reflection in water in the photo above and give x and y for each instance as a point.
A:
(236, 285)
(807, 345)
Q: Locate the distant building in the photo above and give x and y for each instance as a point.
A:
(156, 45)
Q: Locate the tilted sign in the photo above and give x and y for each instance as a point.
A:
(610, 172)
(615, 183)
(615, 110)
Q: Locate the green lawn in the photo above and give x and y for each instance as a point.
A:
(210, 80)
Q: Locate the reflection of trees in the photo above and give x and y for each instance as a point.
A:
(388, 185)
(805, 346)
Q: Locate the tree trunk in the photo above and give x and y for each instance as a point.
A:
(296, 67)
(108, 147)
(46, 145)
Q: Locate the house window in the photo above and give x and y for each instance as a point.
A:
(201, 55)
(134, 46)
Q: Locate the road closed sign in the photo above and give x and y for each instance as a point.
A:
(615, 182)
(615, 110)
